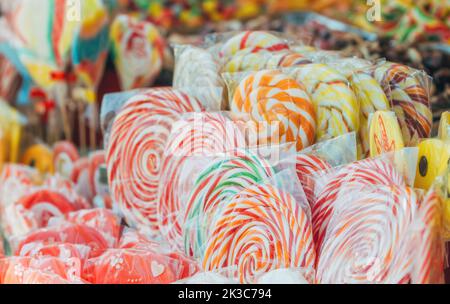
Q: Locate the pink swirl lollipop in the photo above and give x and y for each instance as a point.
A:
(138, 138)
(202, 134)
(366, 234)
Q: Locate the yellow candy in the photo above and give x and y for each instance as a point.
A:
(40, 157)
(11, 123)
(432, 162)
(384, 133)
(444, 126)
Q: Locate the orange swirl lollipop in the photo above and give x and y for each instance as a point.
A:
(280, 105)
(259, 230)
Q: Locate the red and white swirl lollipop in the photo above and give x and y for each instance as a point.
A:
(200, 134)
(366, 234)
(65, 154)
(136, 146)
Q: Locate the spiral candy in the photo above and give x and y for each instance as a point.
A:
(271, 97)
(202, 134)
(138, 138)
(409, 99)
(259, 230)
(335, 103)
(216, 184)
(65, 154)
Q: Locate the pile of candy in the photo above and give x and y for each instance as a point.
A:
(273, 163)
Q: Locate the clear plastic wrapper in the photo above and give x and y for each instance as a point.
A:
(279, 105)
(138, 51)
(65, 233)
(427, 237)
(287, 276)
(217, 180)
(385, 134)
(335, 103)
(409, 91)
(207, 79)
(135, 149)
(260, 229)
(137, 266)
(444, 126)
(65, 250)
(102, 220)
(432, 162)
(40, 270)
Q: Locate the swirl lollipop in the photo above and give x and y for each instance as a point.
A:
(428, 242)
(366, 234)
(363, 173)
(203, 134)
(138, 139)
(409, 99)
(336, 105)
(281, 104)
(259, 230)
(65, 154)
(253, 40)
(216, 184)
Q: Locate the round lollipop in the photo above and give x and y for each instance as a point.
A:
(365, 237)
(79, 177)
(428, 243)
(444, 126)
(39, 157)
(203, 134)
(216, 184)
(134, 154)
(336, 105)
(188, 75)
(138, 50)
(259, 230)
(433, 160)
(409, 98)
(96, 169)
(280, 104)
(65, 154)
(253, 40)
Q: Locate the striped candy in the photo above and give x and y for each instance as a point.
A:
(216, 184)
(259, 230)
(409, 98)
(367, 172)
(428, 243)
(253, 40)
(306, 165)
(336, 105)
(200, 134)
(280, 106)
(65, 154)
(366, 235)
(138, 139)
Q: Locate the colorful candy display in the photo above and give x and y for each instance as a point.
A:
(279, 105)
(133, 160)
